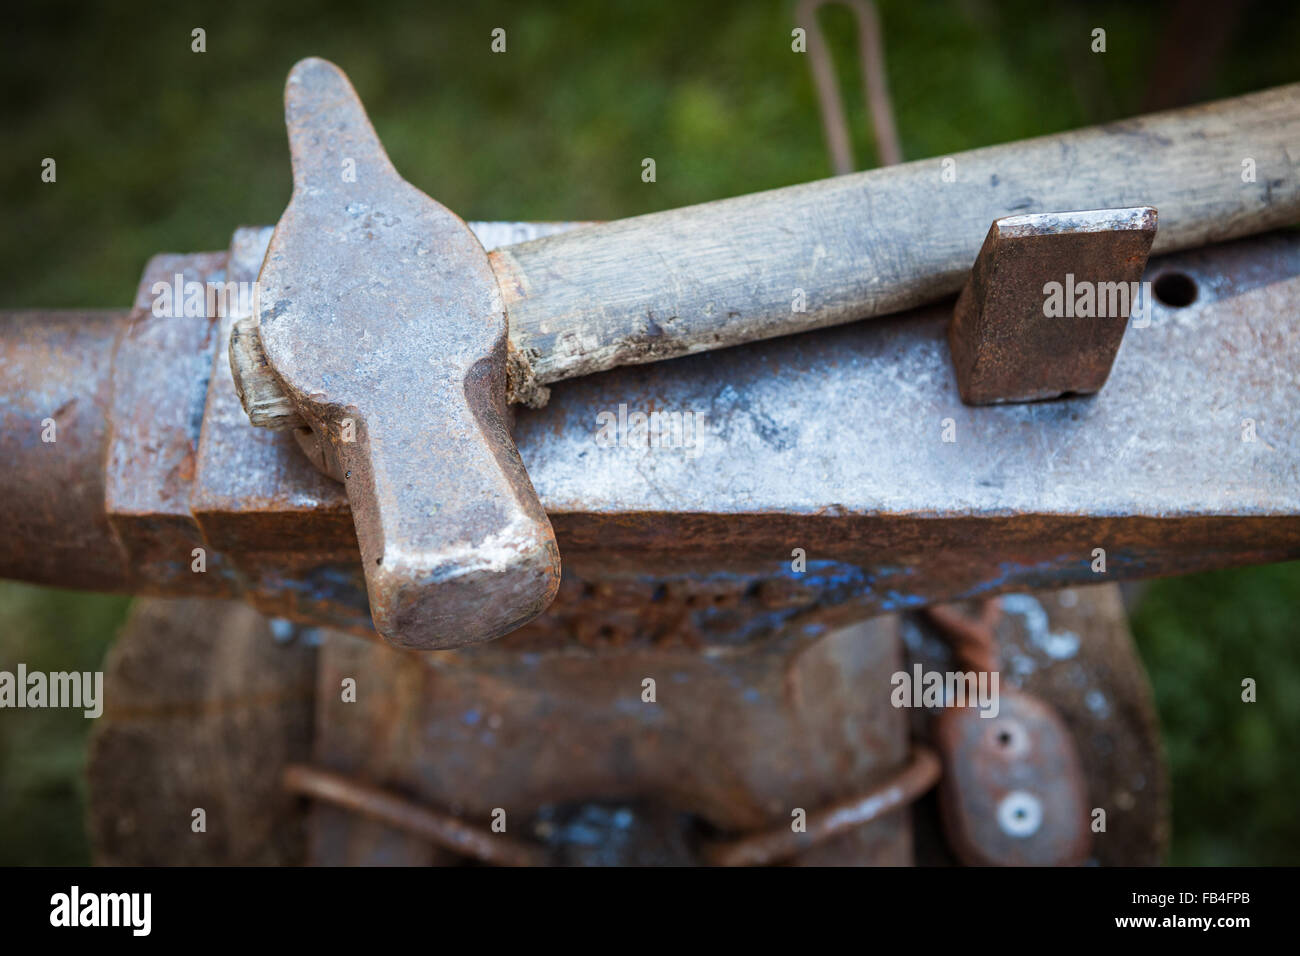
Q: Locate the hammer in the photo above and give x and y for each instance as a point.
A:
(392, 343)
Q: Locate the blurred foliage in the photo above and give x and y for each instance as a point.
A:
(1233, 763)
(42, 787)
(161, 149)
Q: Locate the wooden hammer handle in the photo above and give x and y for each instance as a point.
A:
(727, 272)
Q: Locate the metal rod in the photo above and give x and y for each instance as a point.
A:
(442, 829)
(782, 843)
(875, 88)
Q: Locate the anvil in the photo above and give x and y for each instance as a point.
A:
(838, 465)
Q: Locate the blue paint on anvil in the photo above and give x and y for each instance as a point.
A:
(1122, 558)
(833, 575)
(895, 601)
(471, 717)
(1059, 571)
(342, 583)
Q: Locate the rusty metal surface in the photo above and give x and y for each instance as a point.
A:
(733, 742)
(1071, 649)
(972, 640)
(442, 829)
(204, 703)
(382, 319)
(56, 369)
(1012, 792)
(232, 712)
(1009, 342)
(253, 489)
(160, 386)
(484, 845)
(783, 842)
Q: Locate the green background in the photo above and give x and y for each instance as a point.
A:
(162, 149)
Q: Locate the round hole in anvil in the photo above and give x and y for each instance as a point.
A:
(1175, 289)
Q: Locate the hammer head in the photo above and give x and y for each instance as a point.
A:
(381, 318)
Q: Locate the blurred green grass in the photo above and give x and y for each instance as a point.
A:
(1234, 764)
(42, 784)
(161, 149)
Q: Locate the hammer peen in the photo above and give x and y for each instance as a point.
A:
(392, 341)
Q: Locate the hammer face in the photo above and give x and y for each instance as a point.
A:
(369, 292)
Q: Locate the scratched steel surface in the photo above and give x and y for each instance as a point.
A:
(831, 442)
(242, 473)
(160, 386)
(849, 421)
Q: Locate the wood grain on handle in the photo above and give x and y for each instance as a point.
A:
(872, 243)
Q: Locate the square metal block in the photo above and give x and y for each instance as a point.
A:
(1047, 302)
